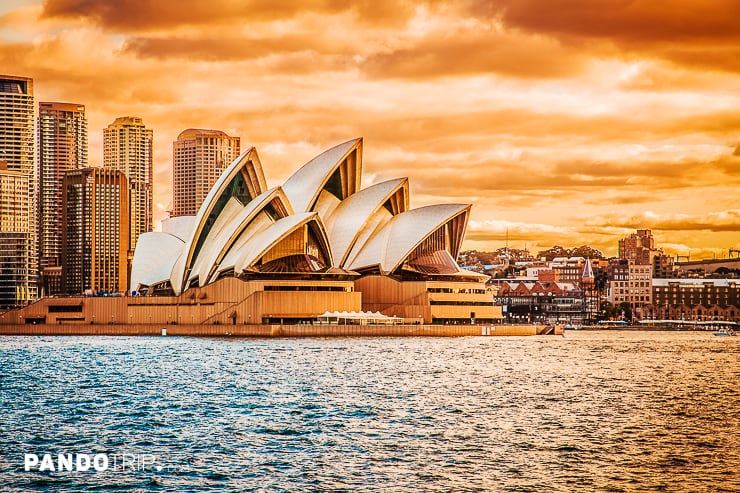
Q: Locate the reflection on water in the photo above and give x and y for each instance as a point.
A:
(592, 411)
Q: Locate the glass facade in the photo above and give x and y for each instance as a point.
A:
(16, 283)
(62, 145)
(18, 259)
(198, 159)
(96, 231)
(128, 147)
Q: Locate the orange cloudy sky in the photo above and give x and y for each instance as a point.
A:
(566, 125)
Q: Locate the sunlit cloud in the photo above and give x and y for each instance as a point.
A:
(569, 128)
(711, 221)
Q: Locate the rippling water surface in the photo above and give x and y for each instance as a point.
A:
(592, 411)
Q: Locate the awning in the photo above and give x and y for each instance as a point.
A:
(359, 317)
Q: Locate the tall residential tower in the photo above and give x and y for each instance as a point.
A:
(127, 147)
(96, 231)
(199, 157)
(18, 256)
(62, 146)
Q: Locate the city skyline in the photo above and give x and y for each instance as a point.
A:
(575, 128)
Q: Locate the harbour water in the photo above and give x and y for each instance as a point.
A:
(592, 411)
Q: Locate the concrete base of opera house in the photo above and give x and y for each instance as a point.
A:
(219, 330)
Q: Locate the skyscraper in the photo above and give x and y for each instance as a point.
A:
(18, 256)
(199, 157)
(127, 147)
(62, 146)
(16, 123)
(16, 223)
(96, 238)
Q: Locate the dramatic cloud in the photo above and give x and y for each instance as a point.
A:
(690, 32)
(560, 124)
(473, 51)
(711, 221)
(625, 20)
(139, 15)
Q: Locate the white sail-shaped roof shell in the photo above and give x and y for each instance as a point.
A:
(391, 244)
(353, 215)
(225, 233)
(260, 223)
(154, 257)
(249, 166)
(305, 186)
(262, 242)
(210, 251)
(180, 226)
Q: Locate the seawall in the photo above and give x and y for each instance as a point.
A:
(272, 330)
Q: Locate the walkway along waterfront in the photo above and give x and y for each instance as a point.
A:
(277, 330)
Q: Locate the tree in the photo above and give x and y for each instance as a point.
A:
(555, 251)
(626, 311)
(586, 251)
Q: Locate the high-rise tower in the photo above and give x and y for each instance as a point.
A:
(62, 146)
(16, 222)
(127, 147)
(199, 157)
(16, 123)
(18, 256)
(96, 231)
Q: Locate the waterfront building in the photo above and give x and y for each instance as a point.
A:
(320, 227)
(290, 254)
(590, 292)
(128, 147)
(630, 283)
(96, 231)
(62, 146)
(695, 299)
(543, 302)
(198, 159)
(18, 229)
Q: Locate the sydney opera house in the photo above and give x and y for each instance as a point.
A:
(319, 243)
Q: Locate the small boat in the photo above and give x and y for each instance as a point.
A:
(725, 332)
